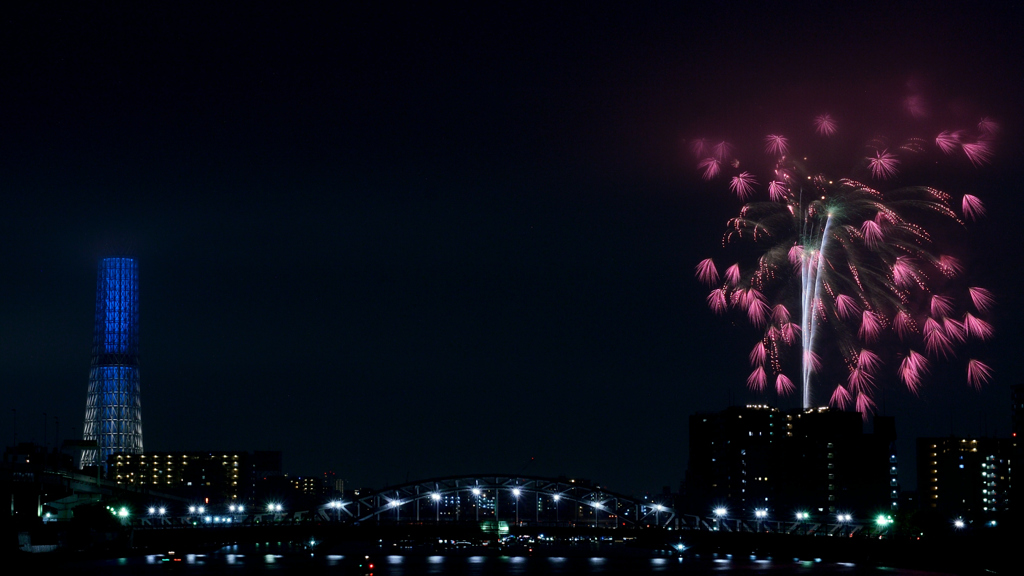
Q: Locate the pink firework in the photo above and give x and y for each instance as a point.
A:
(936, 340)
(868, 360)
(978, 152)
(982, 298)
(949, 266)
(757, 311)
(783, 385)
(972, 207)
(706, 272)
(776, 144)
(872, 233)
(777, 191)
(903, 324)
(912, 370)
(732, 274)
(948, 141)
(905, 272)
(757, 380)
(718, 301)
(846, 306)
(976, 327)
(883, 165)
(711, 167)
(722, 150)
(796, 256)
(941, 305)
(840, 398)
(790, 332)
(700, 147)
(840, 276)
(988, 126)
(825, 125)
(758, 354)
(743, 184)
(978, 373)
(860, 380)
(954, 330)
(865, 405)
(780, 314)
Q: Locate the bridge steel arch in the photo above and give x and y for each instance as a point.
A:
(512, 498)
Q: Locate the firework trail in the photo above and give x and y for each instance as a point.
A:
(841, 271)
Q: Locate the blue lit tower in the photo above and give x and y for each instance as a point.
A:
(113, 417)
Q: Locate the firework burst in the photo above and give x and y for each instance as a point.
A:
(835, 272)
(825, 125)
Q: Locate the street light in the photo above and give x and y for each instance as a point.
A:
(476, 492)
(336, 504)
(959, 524)
(437, 506)
(396, 503)
(720, 512)
(760, 514)
(657, 514)
(883, 521)
(843, 518)
(556, 498)
(516, 492)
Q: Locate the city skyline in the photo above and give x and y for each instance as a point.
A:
(400, 245)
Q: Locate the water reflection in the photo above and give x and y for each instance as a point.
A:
(299, 562)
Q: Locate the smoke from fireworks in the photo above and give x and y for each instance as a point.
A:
(845, 271)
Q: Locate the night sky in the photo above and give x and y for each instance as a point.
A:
(399, 244)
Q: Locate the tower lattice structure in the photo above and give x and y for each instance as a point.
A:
(113, 416)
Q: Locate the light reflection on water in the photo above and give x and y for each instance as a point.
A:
(293, 562)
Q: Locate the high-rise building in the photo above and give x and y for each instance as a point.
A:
(227, 477)
(1016, 498)
(112, 410)
(816, 460)
(967, 477)
(732, 456)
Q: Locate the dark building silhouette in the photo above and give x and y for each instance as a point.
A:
(113, 417)
(1016, 446)
(732, 456)
(828, 464)
(964, 477)
(214, 478)
(817, 460)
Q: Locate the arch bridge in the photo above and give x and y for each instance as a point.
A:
(507, 498)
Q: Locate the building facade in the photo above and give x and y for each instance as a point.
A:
(965, 477)
(222, 477)
(732, 456)
(818, 461)
(113, 417)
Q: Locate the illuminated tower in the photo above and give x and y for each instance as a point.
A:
(113, 416)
